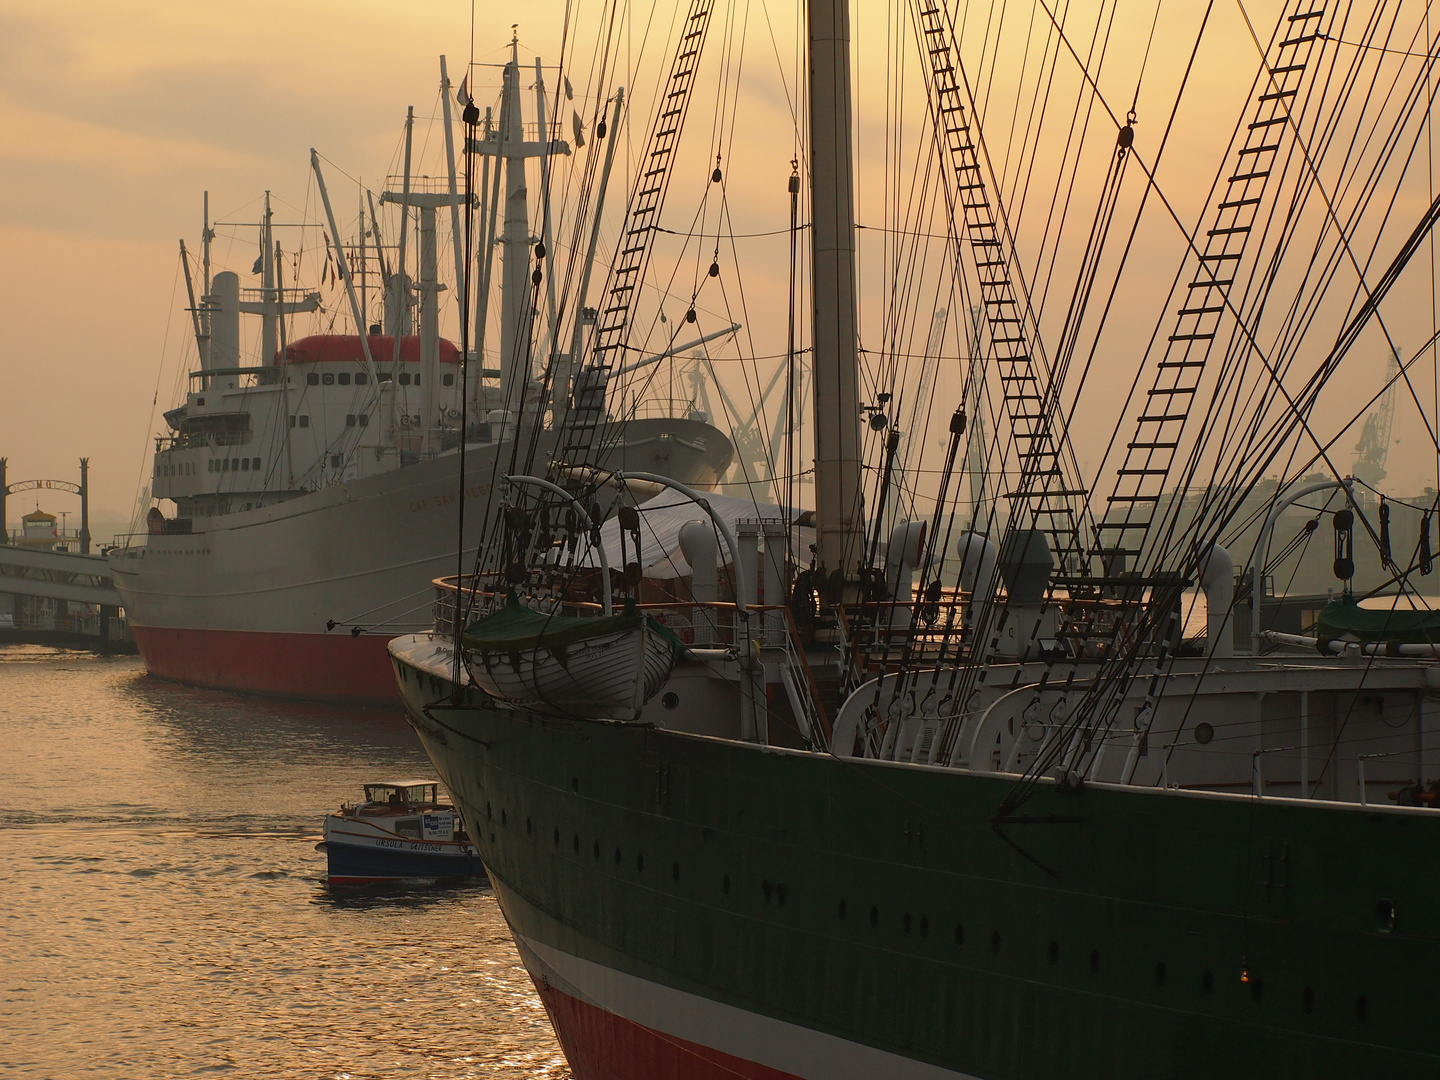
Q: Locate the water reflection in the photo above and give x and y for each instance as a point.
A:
(165, 907)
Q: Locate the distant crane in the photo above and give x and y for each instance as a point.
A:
(1374, 445)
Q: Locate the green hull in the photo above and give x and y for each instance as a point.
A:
(1116, 932)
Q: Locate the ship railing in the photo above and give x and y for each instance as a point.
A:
(700, 625)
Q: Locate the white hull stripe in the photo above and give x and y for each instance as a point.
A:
(784, 1047)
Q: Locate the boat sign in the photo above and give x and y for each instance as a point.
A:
(440, 826)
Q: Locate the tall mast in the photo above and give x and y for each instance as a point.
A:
(836, 361)
(269, 316)
(206, 235)
(515, 276)
(457, 242)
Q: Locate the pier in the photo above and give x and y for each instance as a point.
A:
(53, 591)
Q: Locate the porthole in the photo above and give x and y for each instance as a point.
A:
(995, 942)
(1307, 1000)
(767, 888)
(503, 820)
(597, 849)
(725, 885)
(842, 909)
(575, 784)
(874, 917)
(1160, 973)
(1361, 1008)
(780, 895)
(1095, 961)
(906, 922)
(328, 378)
(1257, 989)
(1207, 982)
(617, 856)
(924, 927)
(448, 379)
(959, 933)
(670, 699)
(1054, 952)
(577, 843)
(639, 864)
(675, 871)
(489, 814)
(557, 836)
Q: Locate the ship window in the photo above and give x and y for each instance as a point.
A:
(448, 379)
(304, 420)
(364, 419)
(404, 378)
(336, 460)
(361, 378)
(383, 376)
(210, 465)
(256, 465)
(328, 378)
(245, 464)
(312, 379)
(350, 419)
(343, 378)
(292, 420)
(225, 465)
(417, 378)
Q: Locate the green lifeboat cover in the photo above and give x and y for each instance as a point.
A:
(514, 628)
(1345, 620)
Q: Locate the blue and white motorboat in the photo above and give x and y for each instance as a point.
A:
(401, 832)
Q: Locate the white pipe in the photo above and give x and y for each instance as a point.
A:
(724, 529)
(977, 570)
(1262, 543)
(555, 489)
(697, 544)
(1217, 579)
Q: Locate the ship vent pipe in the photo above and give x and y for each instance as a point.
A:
(1217, 579)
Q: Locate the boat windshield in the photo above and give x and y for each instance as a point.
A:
(401, 794)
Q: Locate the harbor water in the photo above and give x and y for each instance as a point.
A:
(164, 909)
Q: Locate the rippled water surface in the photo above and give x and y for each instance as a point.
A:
(163, 909)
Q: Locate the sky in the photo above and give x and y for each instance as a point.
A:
(118, 116)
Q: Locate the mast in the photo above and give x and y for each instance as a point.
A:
(457, 243)
(206, 235)
(836, 361)
(269, 316)
(515, 276)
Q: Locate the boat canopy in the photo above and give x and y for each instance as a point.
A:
(407, 791)
(1346, 620)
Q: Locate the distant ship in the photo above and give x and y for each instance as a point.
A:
(317, 492)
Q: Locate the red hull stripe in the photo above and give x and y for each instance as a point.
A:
(334, 668)
(616, 1026)
(602, 1046)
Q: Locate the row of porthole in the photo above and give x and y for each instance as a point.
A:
(777, 892)
(1207, 980)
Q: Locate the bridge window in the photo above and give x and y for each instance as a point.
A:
(417, 378)
(364, 419)
(361, 378)
(336, 461)
(304, 420)
(312, 379)
(350, 419)
(448, 379)
(343, 378)
(225, 465)
(257, 464)
(404, 378)
(245, 464)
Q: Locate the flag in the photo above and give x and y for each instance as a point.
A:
(259, 262)
(579, 129)
(463, 94)
(569, 90)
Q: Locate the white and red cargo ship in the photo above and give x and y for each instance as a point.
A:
(314, 495)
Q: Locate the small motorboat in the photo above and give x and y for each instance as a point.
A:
(401, 832)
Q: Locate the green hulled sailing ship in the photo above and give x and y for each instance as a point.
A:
(1014, 822)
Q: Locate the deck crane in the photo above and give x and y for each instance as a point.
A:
(1374, 444)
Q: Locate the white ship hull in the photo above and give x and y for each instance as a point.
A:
(243, 602)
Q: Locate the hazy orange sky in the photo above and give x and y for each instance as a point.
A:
(118, 116)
